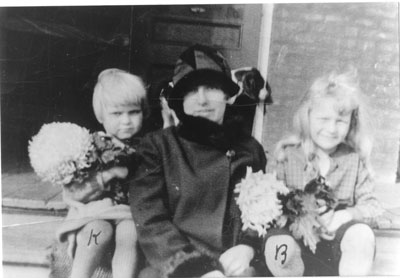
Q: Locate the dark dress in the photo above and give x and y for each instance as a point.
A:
(182, 197)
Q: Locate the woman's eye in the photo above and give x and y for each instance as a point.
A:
(116, 113)
(135, 112)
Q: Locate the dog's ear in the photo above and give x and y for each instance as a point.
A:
(239, 75)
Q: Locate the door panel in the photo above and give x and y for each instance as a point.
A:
(162, 33)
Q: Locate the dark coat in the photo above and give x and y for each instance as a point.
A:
(182, 196)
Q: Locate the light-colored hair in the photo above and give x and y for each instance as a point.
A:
(116, 87)
(344, 89)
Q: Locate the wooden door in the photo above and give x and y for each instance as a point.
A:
(161, 33)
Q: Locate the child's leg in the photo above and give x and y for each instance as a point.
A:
(124, 262)
(92, 242)
(358, 250)
(283, 254)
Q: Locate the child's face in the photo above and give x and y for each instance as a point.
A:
(328, 127)
(122, 121)
(206, 103)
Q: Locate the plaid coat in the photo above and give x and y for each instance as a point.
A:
(347, 176)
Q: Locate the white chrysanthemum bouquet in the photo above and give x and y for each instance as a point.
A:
(62, 153)
(258, 200)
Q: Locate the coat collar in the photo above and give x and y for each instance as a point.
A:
(206, 132)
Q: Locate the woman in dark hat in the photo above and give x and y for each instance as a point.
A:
(182, 197)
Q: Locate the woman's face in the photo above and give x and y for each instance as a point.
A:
(206, 103)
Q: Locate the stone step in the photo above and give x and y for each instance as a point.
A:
(24, 271)
(387, 253)
(27, 191)
(26, 238)
(26, 241)
(32, 211)
(388, 236)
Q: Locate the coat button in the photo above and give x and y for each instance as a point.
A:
(230, 153)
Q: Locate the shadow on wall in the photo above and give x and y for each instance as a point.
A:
(50, 58)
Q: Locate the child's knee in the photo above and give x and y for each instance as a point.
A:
(97, 232)
(358, 250)
(126, 232)
(283, 256)
(358, 236)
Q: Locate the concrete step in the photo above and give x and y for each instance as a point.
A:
(26, 241)
(27, 191)
(387, 253)
(26, 238)
(23, 271)
(33, 210)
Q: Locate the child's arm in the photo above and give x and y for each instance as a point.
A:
(367, 207)
(77, 194)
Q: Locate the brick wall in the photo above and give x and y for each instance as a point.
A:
(308, 40)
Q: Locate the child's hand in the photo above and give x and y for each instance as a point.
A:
(78, 194)
(236, 259)
(332, 220)
(340, 217)
(71, 245)
(117, 172)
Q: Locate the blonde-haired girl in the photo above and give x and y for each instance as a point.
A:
(116, 87)
(99, 216)
(331, 139)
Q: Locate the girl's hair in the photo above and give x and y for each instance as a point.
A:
(116, 87)
(345, 90)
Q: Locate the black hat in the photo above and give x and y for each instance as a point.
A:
(200, 57)
(200, 65)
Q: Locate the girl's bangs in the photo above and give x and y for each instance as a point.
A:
(345, 101)
(120, 93)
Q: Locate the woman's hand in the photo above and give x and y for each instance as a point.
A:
(168, 115)
(213, 274)
(236, 259)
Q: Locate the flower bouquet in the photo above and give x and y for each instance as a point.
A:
(258, 201)
(65, 153)
(266, 202)
(301, 208)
